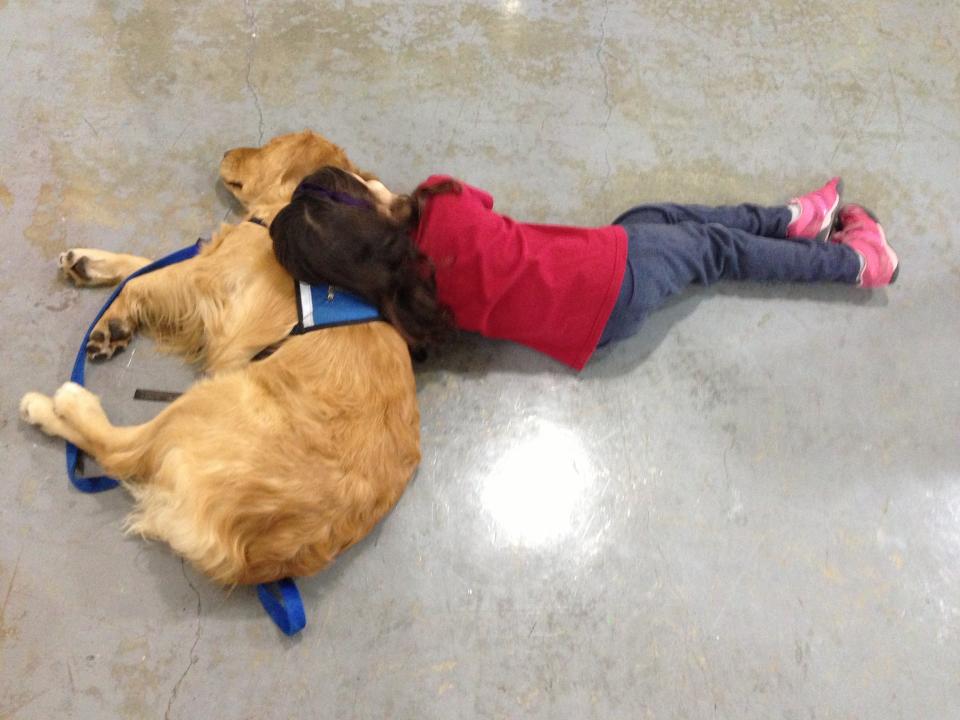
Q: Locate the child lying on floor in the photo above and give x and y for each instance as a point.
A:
(442, 256)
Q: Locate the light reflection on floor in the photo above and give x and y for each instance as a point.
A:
(539, 491)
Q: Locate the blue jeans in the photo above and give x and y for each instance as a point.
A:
(672, 246)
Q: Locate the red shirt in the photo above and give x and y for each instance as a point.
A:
(550, 287)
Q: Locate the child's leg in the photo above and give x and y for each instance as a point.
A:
(811, 215)
(663, 259)
(695, 253)
(769, 222)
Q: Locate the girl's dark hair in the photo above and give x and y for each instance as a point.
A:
(332, 233)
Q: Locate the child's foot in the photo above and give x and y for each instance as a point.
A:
(814, 213)
(862, 233)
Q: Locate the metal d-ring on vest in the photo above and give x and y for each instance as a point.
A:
(318, 307)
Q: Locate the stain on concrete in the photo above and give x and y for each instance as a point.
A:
(27, 492)
(6, 197)
(67, 299)
(143, 40)
(45, 232)
(98, 189)
(463, 49)
(154, 53)
(136, 678)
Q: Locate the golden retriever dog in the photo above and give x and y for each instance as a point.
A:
(262, 469)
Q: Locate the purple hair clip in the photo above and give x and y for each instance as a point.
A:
(314, 190)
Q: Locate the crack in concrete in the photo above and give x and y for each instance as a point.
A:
(6, 597)
(90, 125)
(251, 52)
(606, 89)
(196, 639)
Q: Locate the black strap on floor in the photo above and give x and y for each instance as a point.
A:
(155, 395)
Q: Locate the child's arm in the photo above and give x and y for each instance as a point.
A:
(381, 192)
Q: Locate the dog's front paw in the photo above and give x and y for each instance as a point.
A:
(110, 336)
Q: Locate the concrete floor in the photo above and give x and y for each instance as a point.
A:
(750, 510)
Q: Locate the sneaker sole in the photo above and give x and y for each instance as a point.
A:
(887, 247)
(891, 255)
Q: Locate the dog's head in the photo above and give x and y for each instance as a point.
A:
(268, 175)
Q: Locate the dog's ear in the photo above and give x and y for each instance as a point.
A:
(309, 153)
(301, 166)
(314, 152)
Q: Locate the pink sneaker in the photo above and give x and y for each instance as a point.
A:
(862, 233)
(818, 210)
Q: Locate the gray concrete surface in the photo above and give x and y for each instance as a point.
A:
(751, 510)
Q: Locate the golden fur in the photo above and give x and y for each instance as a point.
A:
(261, 470)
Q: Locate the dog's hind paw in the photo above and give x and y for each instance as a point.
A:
(87, 267)
(31, 407)
(81, 269)
(37, 409)
(109, 337)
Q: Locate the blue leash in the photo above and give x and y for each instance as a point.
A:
(284, 605)
(105, 482)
